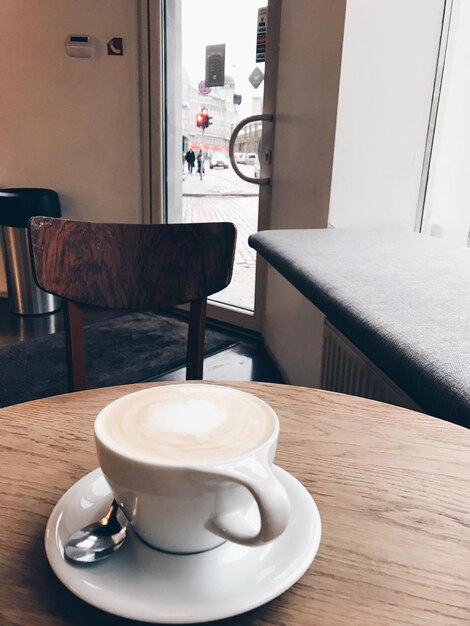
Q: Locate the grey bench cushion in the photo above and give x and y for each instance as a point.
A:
(402, 298)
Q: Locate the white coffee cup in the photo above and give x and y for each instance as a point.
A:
(191, 466)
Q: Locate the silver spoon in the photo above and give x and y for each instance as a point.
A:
(100, 539)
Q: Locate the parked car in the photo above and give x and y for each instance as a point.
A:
(257, 169)
(251, 158)
(219, 159)
(239, 157)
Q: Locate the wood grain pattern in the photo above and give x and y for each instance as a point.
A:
(131, 266)
(74, 346)
(392, 487)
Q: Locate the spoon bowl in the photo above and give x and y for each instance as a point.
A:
(99, 539)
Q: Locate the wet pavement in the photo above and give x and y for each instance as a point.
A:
(223, 197)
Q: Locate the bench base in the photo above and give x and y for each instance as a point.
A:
(346, 369)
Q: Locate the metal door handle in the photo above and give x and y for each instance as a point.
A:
(265, 117)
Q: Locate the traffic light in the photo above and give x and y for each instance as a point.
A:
(200, 120)
(205, 116)
(203, 120)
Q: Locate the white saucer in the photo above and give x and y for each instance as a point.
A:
(140, 583)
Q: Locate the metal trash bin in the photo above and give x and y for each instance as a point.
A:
(17, 205)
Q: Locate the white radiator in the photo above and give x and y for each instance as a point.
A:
(347, 370)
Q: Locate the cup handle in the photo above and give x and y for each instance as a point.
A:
(271, 498)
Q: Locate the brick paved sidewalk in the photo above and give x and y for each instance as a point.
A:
(243, 212)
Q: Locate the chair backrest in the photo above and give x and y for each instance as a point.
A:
(131, 266)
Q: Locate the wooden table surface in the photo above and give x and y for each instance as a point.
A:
(392, 487)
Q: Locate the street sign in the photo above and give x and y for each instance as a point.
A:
(256, 77)
(261, 34)
(203, 89)
(215, 65)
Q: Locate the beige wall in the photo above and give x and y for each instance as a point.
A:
(310, 49)
(71, 124)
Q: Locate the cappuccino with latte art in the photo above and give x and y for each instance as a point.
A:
(191, 464)
(188, 423)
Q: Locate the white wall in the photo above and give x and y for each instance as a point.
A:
(447, 207)
(387, 75)
(69, 124)
(293, 331)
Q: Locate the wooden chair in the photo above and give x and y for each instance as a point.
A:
(131, 266)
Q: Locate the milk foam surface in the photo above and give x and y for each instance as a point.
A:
(188, 423)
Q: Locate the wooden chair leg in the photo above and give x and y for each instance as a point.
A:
(74, 346)
(196, 334)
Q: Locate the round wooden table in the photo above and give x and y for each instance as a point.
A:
(392, 487)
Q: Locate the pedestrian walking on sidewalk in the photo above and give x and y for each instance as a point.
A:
(190, 158)
(200, 163)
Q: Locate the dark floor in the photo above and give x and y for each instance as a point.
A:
(245, 361)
